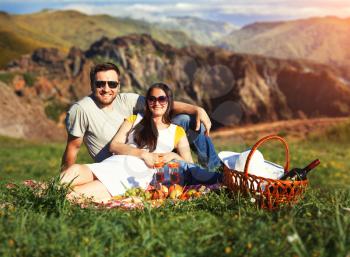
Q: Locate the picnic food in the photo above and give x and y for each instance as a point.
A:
(165, 190)
(137, 192)
(300, 174)
(157, 194)
(175, 191)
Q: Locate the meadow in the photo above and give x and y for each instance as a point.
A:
(216, 224)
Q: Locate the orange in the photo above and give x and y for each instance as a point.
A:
(175, 191)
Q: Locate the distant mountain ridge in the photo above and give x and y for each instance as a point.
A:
(204, 32)
(324, 40)
(20, 34)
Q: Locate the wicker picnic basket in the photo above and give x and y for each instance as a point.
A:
(268, 193)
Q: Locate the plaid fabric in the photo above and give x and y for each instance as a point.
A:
(128, 203)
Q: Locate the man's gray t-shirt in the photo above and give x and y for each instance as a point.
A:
(98, 126)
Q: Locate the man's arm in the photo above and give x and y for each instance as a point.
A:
(70, 154)
(201, 114)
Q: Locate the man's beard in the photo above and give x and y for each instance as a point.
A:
(102, 101)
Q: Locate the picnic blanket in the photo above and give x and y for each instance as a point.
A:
(131, 202)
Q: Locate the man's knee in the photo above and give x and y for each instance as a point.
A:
(182, 120)
(188, 122)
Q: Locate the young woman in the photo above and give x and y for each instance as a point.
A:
(140, 142)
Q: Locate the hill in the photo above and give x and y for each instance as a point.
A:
(64, 29)
(324, 40)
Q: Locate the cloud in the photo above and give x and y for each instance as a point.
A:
(248, 7)
(157, 9)
(294, 10)
(152, 12)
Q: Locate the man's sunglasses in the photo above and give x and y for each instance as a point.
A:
(161, 99)
(102, 83)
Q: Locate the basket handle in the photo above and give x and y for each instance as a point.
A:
(259, 143)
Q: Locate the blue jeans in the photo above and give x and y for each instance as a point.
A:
(204, 147)
(193, 174)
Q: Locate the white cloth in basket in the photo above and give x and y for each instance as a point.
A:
(257, 165)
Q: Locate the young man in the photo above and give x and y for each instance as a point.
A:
(96, 118)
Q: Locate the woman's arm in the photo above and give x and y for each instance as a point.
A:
(184, 152)
(118, 145)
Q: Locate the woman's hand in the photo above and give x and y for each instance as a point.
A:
(167, 157)
(150, 158)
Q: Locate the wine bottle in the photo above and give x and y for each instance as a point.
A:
(300, 174)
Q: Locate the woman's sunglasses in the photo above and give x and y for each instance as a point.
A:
(102, 83)
(161, 99)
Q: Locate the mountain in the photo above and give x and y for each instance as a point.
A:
(21, 34)
(324, 40)
(234, 88)
(25, 118)
(204, 32)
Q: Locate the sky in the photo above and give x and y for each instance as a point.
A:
(237, 12)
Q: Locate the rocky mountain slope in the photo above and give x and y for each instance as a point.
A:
(234, 88)
(324, 40)
(25, 117)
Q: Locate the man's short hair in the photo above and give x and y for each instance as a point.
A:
(102, 67)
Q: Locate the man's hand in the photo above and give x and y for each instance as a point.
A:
(202, 116)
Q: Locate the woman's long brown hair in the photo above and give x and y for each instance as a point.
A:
(145, 132)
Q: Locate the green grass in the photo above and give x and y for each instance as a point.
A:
(6, 77)
(29, 78)
(54, 109)
(20, 160)
(44, 224)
